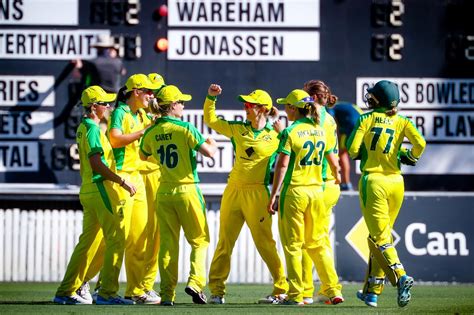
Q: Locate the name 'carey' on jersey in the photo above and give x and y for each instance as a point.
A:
(383, 120)
(163, 136)
(313, 132)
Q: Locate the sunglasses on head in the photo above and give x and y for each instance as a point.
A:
(249, 105)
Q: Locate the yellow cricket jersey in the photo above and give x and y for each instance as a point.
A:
(377, 139)
(173, 143)
(127, 158)
(90, 141)
(151, 165)
(255, 150)
(306, 145)
(330, 129)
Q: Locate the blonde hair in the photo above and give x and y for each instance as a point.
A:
(159, 110)
(311, 110)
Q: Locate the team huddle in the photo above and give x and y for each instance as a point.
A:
(140, 187)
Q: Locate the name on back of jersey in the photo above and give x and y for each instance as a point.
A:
(163, 136)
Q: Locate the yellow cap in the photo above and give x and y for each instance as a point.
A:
(298, 98)
(140, 81)
(170, 94)
(259, 97)
(156, 78)
(95, 94)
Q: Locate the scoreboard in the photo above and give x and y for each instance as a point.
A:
(425, 46)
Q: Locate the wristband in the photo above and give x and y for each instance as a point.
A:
(212, 98)
(122, 182)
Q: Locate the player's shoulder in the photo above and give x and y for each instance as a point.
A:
(238, 123)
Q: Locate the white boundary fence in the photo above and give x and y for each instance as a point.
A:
(36, 246)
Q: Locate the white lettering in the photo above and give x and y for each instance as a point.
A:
(437, 244)
(461, 238)
(409, 239)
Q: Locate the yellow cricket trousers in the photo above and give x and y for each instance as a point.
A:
(300, 210)
(152, 181)
(106, 208)
(325, 266)
(245, 203)
(136, 240)
(181, 206)
(381, 197)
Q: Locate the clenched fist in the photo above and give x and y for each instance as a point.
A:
(214, 90)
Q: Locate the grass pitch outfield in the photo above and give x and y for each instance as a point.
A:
(35, 298)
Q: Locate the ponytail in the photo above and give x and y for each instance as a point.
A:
(310, 110)
(314, 87)
(121, 95)
(392, 111)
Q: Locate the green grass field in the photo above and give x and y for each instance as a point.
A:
(34, 298)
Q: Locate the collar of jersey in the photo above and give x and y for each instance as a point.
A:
(268, 126)
(124, 106)
(89, 121)
(380, 110)
(167, 118)
(303, 120)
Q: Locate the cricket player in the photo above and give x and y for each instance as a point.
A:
(180, 203)
(151, 174)
(127, 125)
(106, 199)
(255, 143)
(330, 290)
(377, 142)
(303, 147)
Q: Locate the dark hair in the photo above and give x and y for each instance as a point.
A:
(312, 87)
(122, 95)
(392, 111)
(273, 112)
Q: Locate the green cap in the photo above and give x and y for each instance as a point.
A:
(298, 98)
(96, 94)
(259, 97)
(170, 94)
(386, 93)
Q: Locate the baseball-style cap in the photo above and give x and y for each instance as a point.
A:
(298, 98)
(386, 93)
(170, 94)
(259, 97)
(156, 78)
(140, 81)
(95, 94)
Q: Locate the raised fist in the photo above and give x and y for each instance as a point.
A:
(214, 90)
